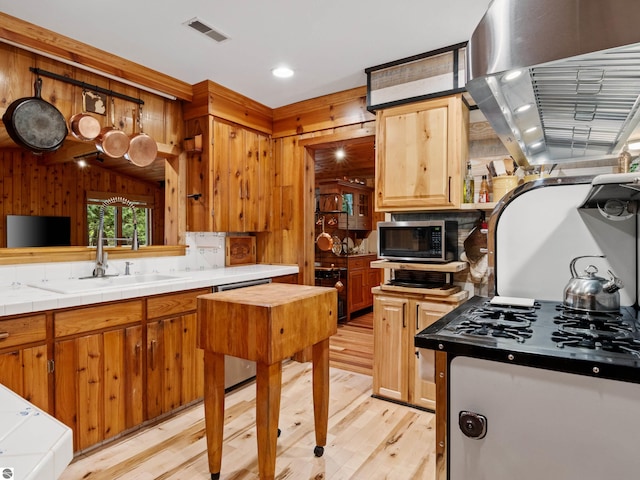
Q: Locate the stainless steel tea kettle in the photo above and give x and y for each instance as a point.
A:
(590, 293)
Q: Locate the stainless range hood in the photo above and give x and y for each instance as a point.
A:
(559, 80)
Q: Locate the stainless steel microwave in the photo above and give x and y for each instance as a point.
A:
(429, 241)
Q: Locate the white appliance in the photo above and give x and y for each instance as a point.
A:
(537, 390)
(542, 424)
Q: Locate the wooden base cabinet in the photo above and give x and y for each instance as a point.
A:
(23, 359)
(397, 371)
(175, 366)
(98, 370)
(104, 382)
(361, 279)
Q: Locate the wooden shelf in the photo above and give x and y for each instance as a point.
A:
(451, 267)
(444, 291)
(10, 256)
(478, 206)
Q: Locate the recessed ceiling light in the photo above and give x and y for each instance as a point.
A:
(340, 154)
(282, 72)
(523, 108)
(82, 163)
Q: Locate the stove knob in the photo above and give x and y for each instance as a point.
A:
(473, 425)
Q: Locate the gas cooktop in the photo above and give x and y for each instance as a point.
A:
(541, 334)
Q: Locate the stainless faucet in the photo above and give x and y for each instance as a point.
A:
(100, 269)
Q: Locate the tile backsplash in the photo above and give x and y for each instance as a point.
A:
(206, 250)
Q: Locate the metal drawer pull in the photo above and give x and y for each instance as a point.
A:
(4, 335)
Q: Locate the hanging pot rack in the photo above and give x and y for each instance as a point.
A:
(85, 85)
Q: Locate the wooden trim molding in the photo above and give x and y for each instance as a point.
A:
(210, 98)
(329, 111)
(48, 43)
(13, 256)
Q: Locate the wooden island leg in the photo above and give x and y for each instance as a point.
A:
(321, 394)
(214, 409)
(268, 386)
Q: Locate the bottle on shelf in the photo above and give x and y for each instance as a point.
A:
(468, 186)
(483, 194)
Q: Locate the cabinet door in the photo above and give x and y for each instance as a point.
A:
(98, 379)
(25, 372)
(373, 280)
(235, 149)
(363, 209)
(424, 387)
(175, 366)
(390, 347)
(419, 155)
(356, 286)
(249, 154)
(257, 155)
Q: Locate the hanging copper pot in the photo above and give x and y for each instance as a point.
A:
(142, 148)
(111, 141)
(84, 127)
(324, 240)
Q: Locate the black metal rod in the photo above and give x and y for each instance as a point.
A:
(86, 86)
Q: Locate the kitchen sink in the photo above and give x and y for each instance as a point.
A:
(98, 284)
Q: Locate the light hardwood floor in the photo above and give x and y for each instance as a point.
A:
(352, 347)
(368, 439)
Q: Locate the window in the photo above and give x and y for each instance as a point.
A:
(118, 219)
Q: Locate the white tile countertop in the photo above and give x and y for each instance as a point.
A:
(33, 444)
(33, 294)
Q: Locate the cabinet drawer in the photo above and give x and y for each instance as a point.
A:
(174, 303)
(19, 331)
(360, 262)
(96, 318)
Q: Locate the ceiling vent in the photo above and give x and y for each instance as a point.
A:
(206, 30)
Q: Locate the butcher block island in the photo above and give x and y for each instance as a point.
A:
(265, 323)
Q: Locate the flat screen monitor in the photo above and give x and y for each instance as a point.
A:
(38, 231)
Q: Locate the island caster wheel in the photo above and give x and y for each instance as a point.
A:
(318, 451)
(279, 432)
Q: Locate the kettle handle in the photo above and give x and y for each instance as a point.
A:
(572, 265)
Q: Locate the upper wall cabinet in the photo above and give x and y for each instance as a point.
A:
(229, 180)
(420, 152)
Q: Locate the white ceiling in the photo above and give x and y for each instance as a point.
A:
(328, 43)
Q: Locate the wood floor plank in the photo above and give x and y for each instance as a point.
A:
(351, 348)
(367, 439)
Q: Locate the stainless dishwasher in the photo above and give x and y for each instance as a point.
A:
(238, 370)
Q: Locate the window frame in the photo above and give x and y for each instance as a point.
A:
(145, 202)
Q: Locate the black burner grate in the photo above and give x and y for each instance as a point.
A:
(502, 322)
(604, 331)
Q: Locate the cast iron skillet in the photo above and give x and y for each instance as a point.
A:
(34, 123)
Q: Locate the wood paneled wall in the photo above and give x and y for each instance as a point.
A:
(298, 129)
(29, 188)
